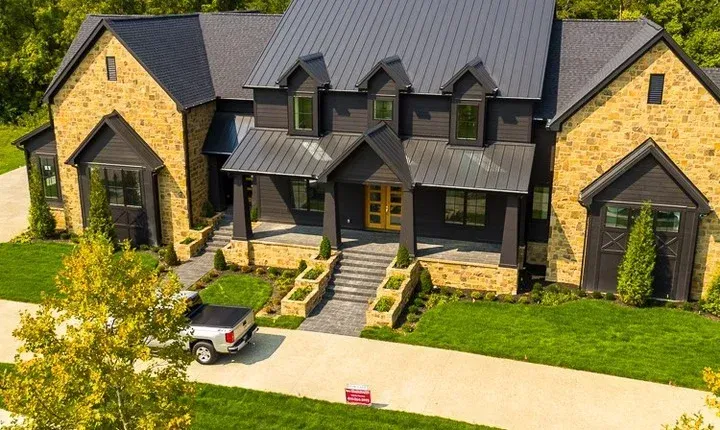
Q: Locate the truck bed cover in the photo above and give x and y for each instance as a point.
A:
(219, 316)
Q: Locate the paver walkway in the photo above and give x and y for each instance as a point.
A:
(468, 387)
(15, 203)
(192, 270)
(336, 316)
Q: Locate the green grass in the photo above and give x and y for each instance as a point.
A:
(10, 157)
(238, 290)
(148, 259)
(30, 268)
(653, 344)
(281, 321)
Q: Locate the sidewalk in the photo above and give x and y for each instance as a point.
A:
(15, 203)
(467, 387)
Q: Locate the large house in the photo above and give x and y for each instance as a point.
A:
(485, 136)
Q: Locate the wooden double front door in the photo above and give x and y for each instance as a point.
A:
(383, 207)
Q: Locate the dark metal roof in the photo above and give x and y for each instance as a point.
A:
(226, 131)
(173, 50)
(649, 148)
(714, 75)
(30, 136)
(393, 67)
(118, 125)
(313, 64)
(497, 167)
(433, 38)
(478, 70)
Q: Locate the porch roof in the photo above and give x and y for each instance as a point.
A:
(501, 166)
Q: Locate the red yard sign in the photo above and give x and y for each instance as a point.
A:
(357, 395)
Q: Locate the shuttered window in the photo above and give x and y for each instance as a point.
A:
(655, 93)
(111, 68)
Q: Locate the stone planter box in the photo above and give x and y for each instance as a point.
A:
(304, 307)
(388, 319)
(200, 237)
(401, 295)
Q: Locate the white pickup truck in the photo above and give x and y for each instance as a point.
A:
(217, 329)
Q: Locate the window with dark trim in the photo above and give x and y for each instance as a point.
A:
(655, 92)
(541, 202)
(303, 112)
(465, 207)
(48, 172)
(383, 110)
(123, 187)
(467, 122)
(307, 195)
(617, 217)
(667, 221)
(111, 68)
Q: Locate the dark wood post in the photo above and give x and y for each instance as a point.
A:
(242, 229)
(331, 215)
(509, 249)
(216, 195)
(407, 223)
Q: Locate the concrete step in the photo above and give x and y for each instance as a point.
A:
(360, 270)
(357, 282)
(362, 257)
(361, 264)
(344, 288)
(335, 295)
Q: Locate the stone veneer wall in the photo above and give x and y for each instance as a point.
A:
(59, 215)
(687, 127)
(483, 277)
(87, 96)
(198, 121)
(258, 253)
(536, 253)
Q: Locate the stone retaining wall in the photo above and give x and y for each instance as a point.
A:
(472, 276)
(259, 253)
(536, 253)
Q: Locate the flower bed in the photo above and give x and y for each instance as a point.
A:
(309, 287)
(197, 237)
(398, 286)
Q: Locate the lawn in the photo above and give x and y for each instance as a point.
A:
(238, 290)
(653, 344)
(10, 157)
(30, 268)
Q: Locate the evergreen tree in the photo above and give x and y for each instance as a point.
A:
(325, 249)
(41, 220)
(99, 216)
(635, 274)
(219, 260)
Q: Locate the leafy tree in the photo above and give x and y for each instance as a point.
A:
(41, 220)
(99, 216)
(697, 421)
(635, 274)
(325, 249)
(85, 360)
(712, 298)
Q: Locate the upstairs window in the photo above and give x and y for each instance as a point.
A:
(541, 202)
(303, 112)
(48, 172)
(655, 92)
(465, 208)
(467, 122)
(307, 196)
(383, 110)
(111, 68)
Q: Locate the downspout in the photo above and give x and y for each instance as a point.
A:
(187, 166)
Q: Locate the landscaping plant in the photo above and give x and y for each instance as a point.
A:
(384, 304)
(170, 256)
(254, 216)
(90, 374)
(219, 262)
(402, 259)
(314, 273)
(635, 274)
(302, 266)
(300, 294)
(325, 249)
(426, 283)
(208, 211)
(712, 299)
(41, 220)
(99, 217)
(394, 282)
(697, 421)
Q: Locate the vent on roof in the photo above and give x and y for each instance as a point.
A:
(655, 93)
(111, 68)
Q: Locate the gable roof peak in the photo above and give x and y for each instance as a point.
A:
(313, 64)
(391, 65)
(477, 69)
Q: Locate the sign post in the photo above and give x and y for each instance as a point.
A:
(358, 395)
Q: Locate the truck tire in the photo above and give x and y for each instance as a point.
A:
(204, 353)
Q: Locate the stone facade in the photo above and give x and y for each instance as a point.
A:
(472, 276)
(617, 120)
(259, 253)
(87, 96)
(197, 122)
(59, 215)
(536, 253)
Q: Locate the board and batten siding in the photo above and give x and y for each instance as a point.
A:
(275, 196)
(344, 112)
(364, 166)
(424, 116)
(271, 110)
(508, 121)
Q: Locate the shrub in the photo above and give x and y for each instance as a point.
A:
(325, 249)
(635, 274)
(99, 216)
(609, 296)
(199, 225)
(596, 295)
(508, 298)
(524, 300)
(711, 304)
(536, 293)
(41, 220)
(394, 282)
(234, 267)
(419, 302)
(66, 236)
(558, 295)
(274, 271)
(459, 294)
(170, 256)
(384, 304)
(412, 309)
(490, 296)
(289, 274)
(439, 299)
(447, 291)
(413, 318)
(219, 262)
(687, 306)
(402, 259)
(254, 214)
(214, 274)
(313, 273)
(245, 269)
(187, 241)
(582, 293)
(300, 294)
(408, 327)
(302, 266)
(426, 284)
(476, 295)
(208, 211)
(260, 271)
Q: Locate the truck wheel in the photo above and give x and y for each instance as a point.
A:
(204, 353)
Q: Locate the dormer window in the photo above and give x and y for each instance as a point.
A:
(467, 122)
(384, 83)
(303, 112)
(383, 110)
(303, 80)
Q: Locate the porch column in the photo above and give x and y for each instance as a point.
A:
(331, 214)
(215, 193)
(407, 222)
(509, 249)
(242, 229)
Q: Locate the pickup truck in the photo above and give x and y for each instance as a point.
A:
(217, 329)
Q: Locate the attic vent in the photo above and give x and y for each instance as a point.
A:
(655, 93)
(111, 69)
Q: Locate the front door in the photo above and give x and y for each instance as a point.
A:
(383, 207)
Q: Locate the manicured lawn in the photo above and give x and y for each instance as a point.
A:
(653, 344)
(238, 290)
(29, 268)
(10, 157)
(281, 321)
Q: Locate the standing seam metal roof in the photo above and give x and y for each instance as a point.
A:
(433, 38)
(714, 75)
(227, 130)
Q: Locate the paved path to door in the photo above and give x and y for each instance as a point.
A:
(14, 203)
(461, 386)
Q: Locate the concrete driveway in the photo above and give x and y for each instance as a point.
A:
(14, 203)
(467, 387)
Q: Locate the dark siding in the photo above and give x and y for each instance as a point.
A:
(109, 148)
(299, 80)
(647, 180)
(351, 198)
(538, 230)
(382, 84)
(43, 143)
(364, 166)
(468, 87)
(508, 121)
(236, 106)
(344, 112)
(430, 217)
(276, 204)
(425, 116)
(271, 108)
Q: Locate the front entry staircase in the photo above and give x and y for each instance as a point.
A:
(353, 285)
